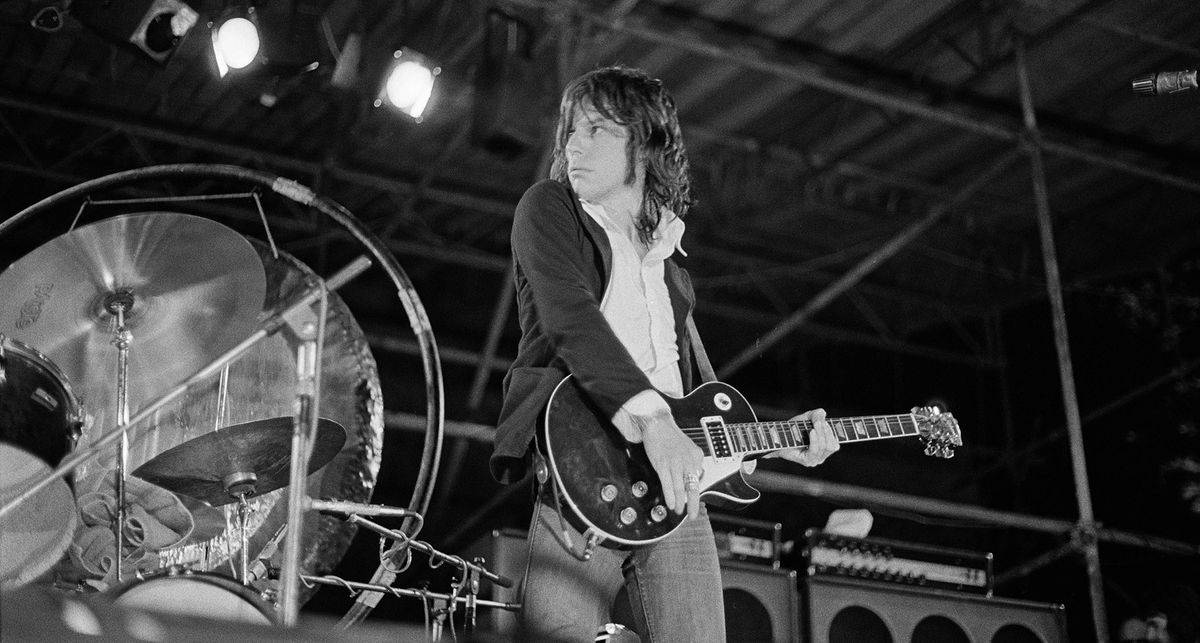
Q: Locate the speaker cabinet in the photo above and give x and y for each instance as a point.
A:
(840, 610)
(504, 552)
(761, 603)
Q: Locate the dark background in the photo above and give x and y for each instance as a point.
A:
(818, 133)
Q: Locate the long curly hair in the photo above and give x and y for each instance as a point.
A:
(639, 103)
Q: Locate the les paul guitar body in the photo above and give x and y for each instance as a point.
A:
(610, 491)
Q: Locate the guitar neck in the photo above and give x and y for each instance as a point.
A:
(753, 438)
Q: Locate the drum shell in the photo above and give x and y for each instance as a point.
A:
(179, 591)
(39, 413)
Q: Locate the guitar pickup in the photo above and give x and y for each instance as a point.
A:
(718, 439)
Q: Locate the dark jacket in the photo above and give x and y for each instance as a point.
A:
(561, 263)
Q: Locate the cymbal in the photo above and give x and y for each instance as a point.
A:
(253, 457)
(192, 287)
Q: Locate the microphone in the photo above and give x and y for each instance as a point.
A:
(336, 507)
(1164, 82)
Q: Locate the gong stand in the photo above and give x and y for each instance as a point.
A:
(267, 328)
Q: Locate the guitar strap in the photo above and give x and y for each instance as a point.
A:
(706, 369)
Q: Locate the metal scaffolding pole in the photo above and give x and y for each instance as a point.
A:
(1088, 543)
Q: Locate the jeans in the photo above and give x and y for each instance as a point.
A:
(674, 585)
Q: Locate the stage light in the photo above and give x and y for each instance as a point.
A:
(235, 39)
(154, 27)
(408, 83)
(48, 19)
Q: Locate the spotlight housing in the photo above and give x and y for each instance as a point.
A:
(154, 27)
(408, 83)
(235, 39)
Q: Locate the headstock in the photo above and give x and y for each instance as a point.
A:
(939, 431)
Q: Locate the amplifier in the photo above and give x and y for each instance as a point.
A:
(747, 540)
(897, 562)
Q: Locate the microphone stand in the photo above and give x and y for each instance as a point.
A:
(355, 586)
(428, 549)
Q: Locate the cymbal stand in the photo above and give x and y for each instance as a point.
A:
(240, 485)
(118, 303)
(269, 327)
(308, 386)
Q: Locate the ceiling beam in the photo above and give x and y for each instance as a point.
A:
(865, 267)
(704, 41)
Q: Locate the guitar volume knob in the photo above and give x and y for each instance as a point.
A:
(639, 489)
(658, 513)
(608, 492)
(722, 401)
(628, 515)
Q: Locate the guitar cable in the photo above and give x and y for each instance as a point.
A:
(563, 533)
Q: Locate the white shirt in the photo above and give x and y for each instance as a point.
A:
(637, 305)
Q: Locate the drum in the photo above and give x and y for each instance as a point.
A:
(38, 411)
(175, 590)
(40, 423)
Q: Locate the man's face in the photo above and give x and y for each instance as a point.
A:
(597, 163)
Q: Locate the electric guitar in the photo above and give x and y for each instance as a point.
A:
(612, 492)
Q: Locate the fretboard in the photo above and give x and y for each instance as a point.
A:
(761, 437)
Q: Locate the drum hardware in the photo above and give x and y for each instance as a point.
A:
(358, 465)
(40, 423)
(236, 463)
(187, 289)
(465, 591)
(248, 458)
(306, 416)
(118, 303)
(75, 299)
(355, 587)
(179, 590)
(308, 383)
(107, 438)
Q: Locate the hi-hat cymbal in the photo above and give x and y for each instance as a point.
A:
(192, 289)
(253, 457)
